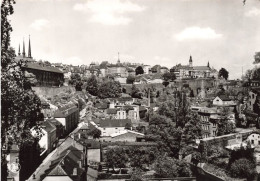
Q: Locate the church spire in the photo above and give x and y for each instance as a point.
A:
(23, 49)
(19, 53)
(29, 49)
(118, 60)
(190, 61)
(208, 63)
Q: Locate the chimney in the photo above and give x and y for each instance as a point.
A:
(80, 164)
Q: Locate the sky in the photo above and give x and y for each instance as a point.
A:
(224, 32)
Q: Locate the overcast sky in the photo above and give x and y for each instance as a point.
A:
(165, 32)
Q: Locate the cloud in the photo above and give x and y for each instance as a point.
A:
(197, 33)
(74, 61)
(39, 24)
(162, 59)
(110, 12)
(253, 12)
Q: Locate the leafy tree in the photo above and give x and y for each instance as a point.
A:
(74, 78)
(167, 167)
(191, 131)
(165, 83)
(96, 133)
(29, 158)
(92, 85)
(136, 92)
(128, 126)
(109, 89)
(139, 70)
(169, 76)
(21, 108)
(116, 157)
(257, 58)
(223, 73)
(225, 126)
(137, 175)
(256, 74)
(242, 168)
(163, 131)
(176, 109)
(130, 79)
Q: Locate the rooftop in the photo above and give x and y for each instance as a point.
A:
(106, 123)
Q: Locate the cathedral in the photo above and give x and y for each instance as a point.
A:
(45, 75)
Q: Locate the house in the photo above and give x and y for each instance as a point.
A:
(126, 136)
(101, 106)
(13, 165)
(112, 112)
(146, 69)
(59, 127)
(48, 139)
(254, 139)
(156, 69)
(110, 126)
(164, 70)
(69, 166)
(223, 100)
(45, 75)
(68, 116)
(209, 118)
(253, 100)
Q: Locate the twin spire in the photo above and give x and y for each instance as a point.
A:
(29, 49)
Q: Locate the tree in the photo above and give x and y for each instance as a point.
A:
(256, 74)
(169, 76)
(128, 126)
(130, 79)
(96, 133)
(223, 73)
(225, 126)
(136, 92)
(242, 168)
(139, 70)
(191, 131)
(164, 132)
(116, 157)
(20, 106)
(167, 167)
(109, 89)
(92, 85)
(257, 58)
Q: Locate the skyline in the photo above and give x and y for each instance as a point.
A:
(150, 32)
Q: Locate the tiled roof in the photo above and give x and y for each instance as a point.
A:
(224, 98)
(37, 66)
(66, 163)
(66, 110)
(54, 121)
(201, 68)
(112, 110)
(101, 105)
(48, 127)
(124, 132)
(114, 123)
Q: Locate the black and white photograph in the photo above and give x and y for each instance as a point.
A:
(130, 90)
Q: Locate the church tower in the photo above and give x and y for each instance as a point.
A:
(190, 62)
(29, 49)
(19, 53)
(208, 64)
(23, 50)
(118, 60)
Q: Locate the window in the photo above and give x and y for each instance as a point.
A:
(258, 142)
(252, 141)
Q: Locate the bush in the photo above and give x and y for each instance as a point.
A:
(243, 168)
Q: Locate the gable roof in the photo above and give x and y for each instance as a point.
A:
(224, 98)
(125, 132)
(37, 66)
(201, 68)
(48, 127)
(66, 110)
(111, 123)
(66, 163)
(112, 111)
